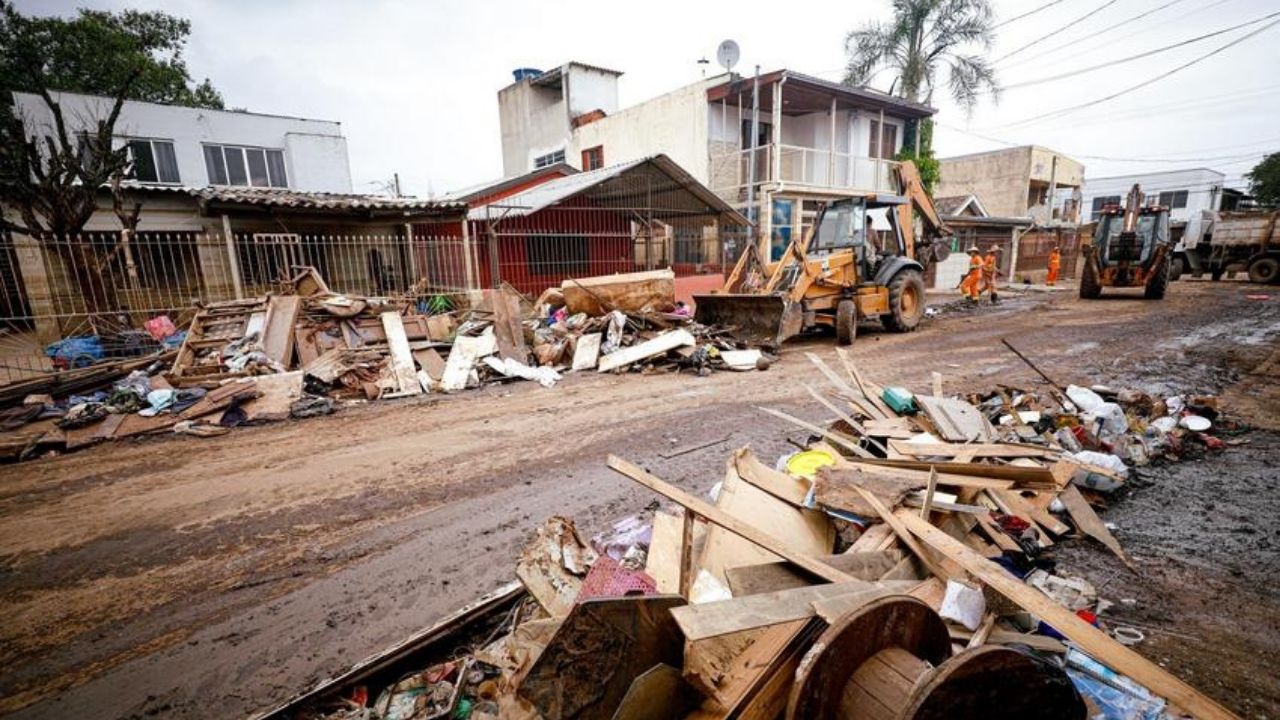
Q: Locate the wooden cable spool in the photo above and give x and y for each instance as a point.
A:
(891, 660)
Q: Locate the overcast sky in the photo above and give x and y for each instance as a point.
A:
(414, 84)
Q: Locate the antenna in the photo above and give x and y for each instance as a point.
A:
(727, 54)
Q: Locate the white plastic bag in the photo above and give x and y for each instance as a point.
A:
(964, 604)
(1084, 398)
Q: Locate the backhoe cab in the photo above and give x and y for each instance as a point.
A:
(842, 271)
(1130, 248)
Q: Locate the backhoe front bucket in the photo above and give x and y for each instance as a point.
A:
(758, 319)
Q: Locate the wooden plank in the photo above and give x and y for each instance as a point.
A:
(586, 351)
(903, 534)
(1021, 477)
(997, 536)
(687, 569)
(1088, 522)
(778, 484)
(774, 576)
(1042, 517)
(402, 366)
(462, 358)
(1090, 639)
(772, 653)
(872, 539)
(928, 494)
(277, 393)
(662, 563)
(997, 450)
(722, 519)
(430, 362)
(650, 291)
(868, 390)
(277, 334)
(955, 420)
(507, 327)
(852, 395)
(722, 617)
(833, 437)
(999, 636)
(805, 531)
(838, 488)
(659, 345)
(858, 428)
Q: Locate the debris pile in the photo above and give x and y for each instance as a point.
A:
(900, 564)
(296, 353)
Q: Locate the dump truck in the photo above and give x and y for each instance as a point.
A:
(1238, 240)
(1130, 248)
(842, 271)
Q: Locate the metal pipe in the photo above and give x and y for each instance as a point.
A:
(751, 164)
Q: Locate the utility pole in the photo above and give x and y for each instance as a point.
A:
(751, 165)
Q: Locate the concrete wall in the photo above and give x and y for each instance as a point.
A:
(1003, 179)
(591, 89)
(319, 164)
(675, 124)
(534, 121)
(1203, 186)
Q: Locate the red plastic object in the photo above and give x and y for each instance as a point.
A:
(607, 578)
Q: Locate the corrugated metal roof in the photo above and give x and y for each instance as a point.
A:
(299, 199)
(467, 194)
(558, 190)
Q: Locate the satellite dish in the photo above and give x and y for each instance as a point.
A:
(727, 54)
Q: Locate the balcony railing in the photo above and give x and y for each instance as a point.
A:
(810, 168)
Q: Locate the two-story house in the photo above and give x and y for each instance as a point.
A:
(813, 140)
(1025, 181)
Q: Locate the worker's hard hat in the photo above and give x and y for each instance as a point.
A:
(972, 249)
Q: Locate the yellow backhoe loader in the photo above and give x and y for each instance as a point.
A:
(842, 271)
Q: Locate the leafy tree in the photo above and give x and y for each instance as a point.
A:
(922, 38)
(1264, 181)
(926, 162)
(50, 176)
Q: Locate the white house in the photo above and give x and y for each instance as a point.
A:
(199, 147)
(816, 140)
(1189, 194)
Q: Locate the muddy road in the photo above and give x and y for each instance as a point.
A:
(185, 577)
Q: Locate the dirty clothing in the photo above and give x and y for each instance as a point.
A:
(1055, 265)
(971, 286)
(990, 268)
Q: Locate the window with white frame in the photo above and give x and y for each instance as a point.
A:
(549, 159)
(152, 161)
(245, 166)
(1173, 199)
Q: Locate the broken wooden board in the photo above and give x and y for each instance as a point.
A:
(335, 363)
(837, 488)
(778, 484)
(653, 291)
(586, 351)
(892, 428)
(806, 532)
(1090, 639)
(662, 563)
(1020, 477)
(467, 349)
(1088, 522)
(922, 475)
(430, 362)
(402, 367)
(774, 576)
(891, 519)
(746, 530)
(598, 652)
(876, 537)
(999, 636)
(277, 333)
(659, 345)
(955, 420)
(976, 450)
(722, 617)
(277, 394)
(756, 682)
(507, 326)
(843, 441)
(554, 565)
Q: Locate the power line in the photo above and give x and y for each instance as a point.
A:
(1104, 31)
(1030, 12)
(1042, 38)
(1139, 56)
(1157, 78)
(1108, 158)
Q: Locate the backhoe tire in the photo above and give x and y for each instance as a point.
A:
(1264, 270)
(906, 302)
(846, 322)
(1089, 287)
(1176, 268)
(1159, 281)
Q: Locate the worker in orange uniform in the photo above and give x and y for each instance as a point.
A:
(1055, 265)
(971, 285)
(990, 269)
